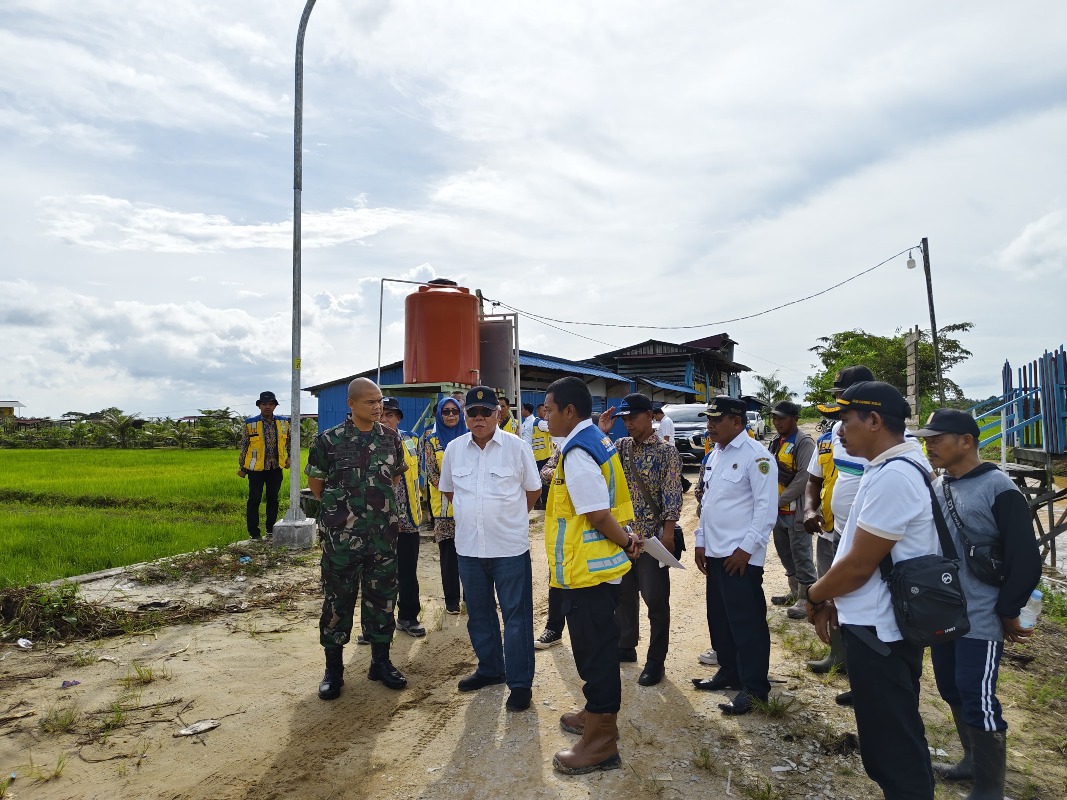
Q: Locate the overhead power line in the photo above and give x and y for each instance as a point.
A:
(546, 320)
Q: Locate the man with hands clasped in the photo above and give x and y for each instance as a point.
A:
(739, 507)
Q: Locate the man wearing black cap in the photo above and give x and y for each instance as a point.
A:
(990, 524)
(892, 516)
(490, 477)
(738, 510)
(792, 450)
(263, 455)
(653, 471)
(833, 479)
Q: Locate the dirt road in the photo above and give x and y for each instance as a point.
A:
(257, 673)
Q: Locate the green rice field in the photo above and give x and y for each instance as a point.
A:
(69, 512)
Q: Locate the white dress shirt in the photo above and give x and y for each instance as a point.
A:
(526, 429)
(740, 503)
(490, 486)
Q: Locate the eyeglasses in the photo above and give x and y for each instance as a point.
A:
(450, 412)
(479, 412)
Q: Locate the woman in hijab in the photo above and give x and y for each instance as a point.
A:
(449, 425)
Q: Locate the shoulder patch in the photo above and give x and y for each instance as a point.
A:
(764, 466)
(762, 458)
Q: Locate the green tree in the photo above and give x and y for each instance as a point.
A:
(218, 427)
(770, 390)
(119, 426)
(887, 358)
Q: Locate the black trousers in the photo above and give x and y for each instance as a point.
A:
(885, 697)
(407, 562)
(556, 621)
(449, 572)
(737, 614)
(271, 480)
(654, 586)
(595, 643)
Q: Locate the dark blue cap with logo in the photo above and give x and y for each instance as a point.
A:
(950, 420)
(633, 404)
(725, 405)
(391, 404)
(481, 396)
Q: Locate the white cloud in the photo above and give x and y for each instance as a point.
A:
(109, 223)
(1040, 249)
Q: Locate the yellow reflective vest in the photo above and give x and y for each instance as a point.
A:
(256, 455)
(542, 443)
(784, 451)
(829, 478)
(439, 505)
(411, 478)
(511, 425)
(580, 556)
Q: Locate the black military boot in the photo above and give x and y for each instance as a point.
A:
(333, 679)
(382, 669)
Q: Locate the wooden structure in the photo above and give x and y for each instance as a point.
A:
(1030, 417)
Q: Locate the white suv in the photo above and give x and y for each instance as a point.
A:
(757, 424)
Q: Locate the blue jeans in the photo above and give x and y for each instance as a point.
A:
(509, 581)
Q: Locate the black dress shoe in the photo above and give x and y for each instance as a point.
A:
(844, 699)
(741, 704)
(651, 674)
(476, 681)
(627, 655)
(717, 683)
(518, 700)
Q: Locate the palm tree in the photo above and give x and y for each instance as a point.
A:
(770, 390)
(119, 425)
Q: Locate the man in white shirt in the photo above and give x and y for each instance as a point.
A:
(891, 515)
(526, 427)
(664, 425)
(490, 477)
(739, 507)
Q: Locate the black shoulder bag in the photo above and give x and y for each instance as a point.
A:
(928, 601)
(984, 558)
(679, 537)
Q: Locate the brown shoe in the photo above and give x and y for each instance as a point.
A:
(573, 722)
(595, 750)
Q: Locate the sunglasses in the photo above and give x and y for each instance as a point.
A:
(450, 412)
(480, 412)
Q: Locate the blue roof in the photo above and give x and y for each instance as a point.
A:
(669, 387)
(572, 367)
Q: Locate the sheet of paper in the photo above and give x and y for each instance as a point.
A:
(655, 548)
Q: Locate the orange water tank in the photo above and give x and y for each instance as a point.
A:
(441, 334)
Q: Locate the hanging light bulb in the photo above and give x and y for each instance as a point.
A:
(911, 261)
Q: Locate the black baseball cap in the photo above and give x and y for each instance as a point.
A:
(481, 396)
(786, 409)
(950, 420)
(851, 375)
(725, 405)
(633, 404)
(875, 396)
(267, 397)
(391, 404)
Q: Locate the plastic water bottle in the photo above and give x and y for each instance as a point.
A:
(1028, 613)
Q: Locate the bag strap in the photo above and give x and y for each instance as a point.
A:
(657, 507)
(951, 503)
(947, 547)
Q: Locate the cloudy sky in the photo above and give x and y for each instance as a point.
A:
(621, 162)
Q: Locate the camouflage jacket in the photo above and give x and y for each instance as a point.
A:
(358, 468)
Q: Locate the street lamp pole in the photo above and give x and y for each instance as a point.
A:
(925, 247)
(295, 513)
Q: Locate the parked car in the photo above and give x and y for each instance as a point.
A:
(689, 430)
(757, 424)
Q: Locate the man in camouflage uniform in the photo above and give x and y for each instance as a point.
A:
(353, 469)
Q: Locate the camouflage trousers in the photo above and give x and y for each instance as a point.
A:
(353, 565)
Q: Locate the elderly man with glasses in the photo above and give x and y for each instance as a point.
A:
(490, 476)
